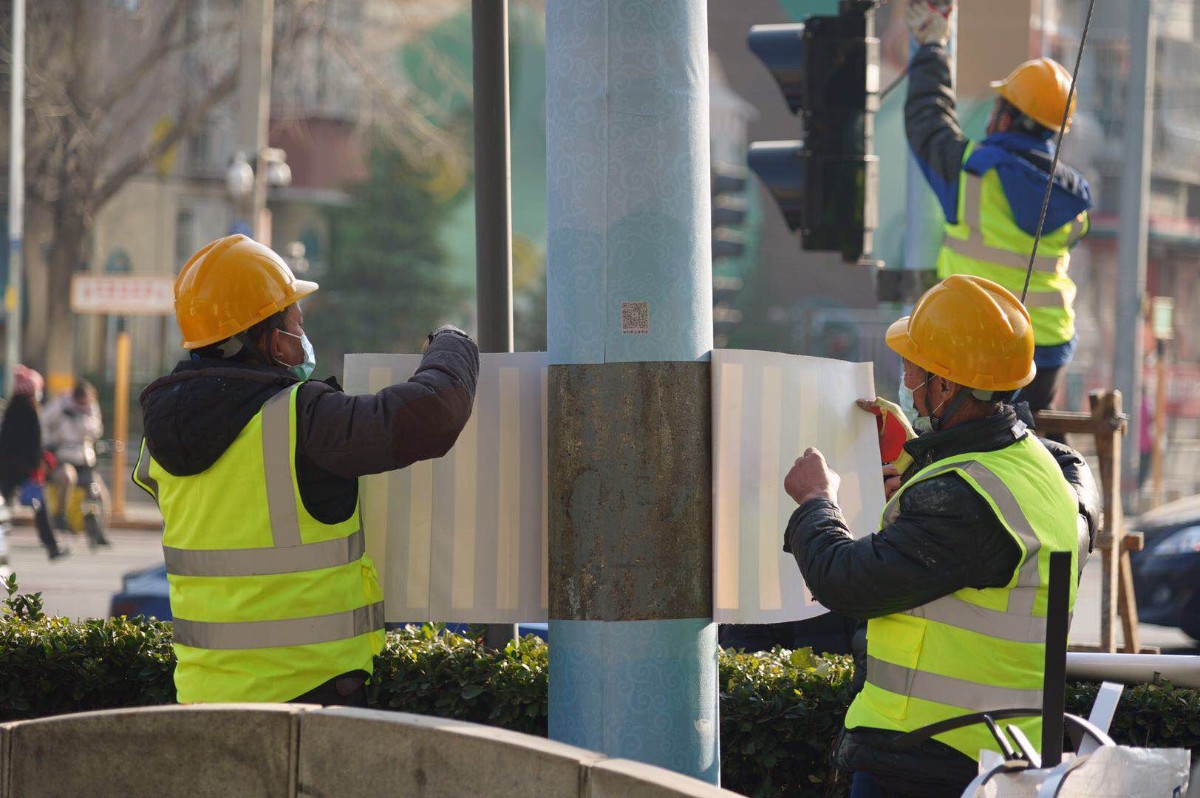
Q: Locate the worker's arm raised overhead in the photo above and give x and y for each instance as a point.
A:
(931, 124)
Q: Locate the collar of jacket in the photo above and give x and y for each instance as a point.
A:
(981, 435)
(194, 369)
(1021, 143)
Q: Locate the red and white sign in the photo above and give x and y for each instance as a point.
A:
(122, 294)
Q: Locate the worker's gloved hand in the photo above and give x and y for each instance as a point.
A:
(929, 20)
(445, 328)
(894, 430)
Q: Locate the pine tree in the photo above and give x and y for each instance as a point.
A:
(388, 283)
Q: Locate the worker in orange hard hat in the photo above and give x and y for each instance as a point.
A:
(992, 191)
(953, 586)
(255, 468)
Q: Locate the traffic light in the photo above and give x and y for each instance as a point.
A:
(728, 244)
(728, 211)
(825, 185)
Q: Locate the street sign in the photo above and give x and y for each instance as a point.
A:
(122, 295)
(1162, 309)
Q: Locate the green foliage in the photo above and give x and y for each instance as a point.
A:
(780, 714)
(431, 672)
(51, 665)
(780, 711)
(1149, 715)
(388, 283)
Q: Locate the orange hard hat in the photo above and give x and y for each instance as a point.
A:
(230, 285)
(970, 331)
(1039, 89)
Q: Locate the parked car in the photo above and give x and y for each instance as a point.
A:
(1166, 573)
(144, 592)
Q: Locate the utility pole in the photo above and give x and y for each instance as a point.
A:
(254, 107)
(16, 198)
(633, 665)
(1133, 233)
(493, 178)
(493, 199)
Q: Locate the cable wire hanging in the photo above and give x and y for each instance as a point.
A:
(1062, 129)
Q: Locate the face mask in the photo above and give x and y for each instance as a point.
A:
(304, 369)
(920, 423)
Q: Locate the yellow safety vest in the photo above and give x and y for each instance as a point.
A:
(976, 650)
(987, 242)
(268, 602)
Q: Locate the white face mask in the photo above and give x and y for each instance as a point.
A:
(304, 369)
(920, 423)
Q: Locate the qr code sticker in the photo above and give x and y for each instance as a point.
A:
(635, 318)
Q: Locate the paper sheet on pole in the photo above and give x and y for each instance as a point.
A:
(463, 537)
(767, 409)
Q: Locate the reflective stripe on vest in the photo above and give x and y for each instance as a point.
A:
(947, 689)
(288, 555)
(973, 245)
(268, 601)
(277, 634)
(1017, 622)
(141, 474)
(974, 650)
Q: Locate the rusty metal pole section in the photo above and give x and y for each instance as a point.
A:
(633, 654)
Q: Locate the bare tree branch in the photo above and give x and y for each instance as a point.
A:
(188, 124)
(162, 45)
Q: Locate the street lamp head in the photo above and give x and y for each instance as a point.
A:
(239, 177)
(279, 174)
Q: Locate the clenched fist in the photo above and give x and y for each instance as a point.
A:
(811, 478)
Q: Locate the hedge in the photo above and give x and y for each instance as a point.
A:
(780, 710)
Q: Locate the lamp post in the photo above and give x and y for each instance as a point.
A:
(242, 178)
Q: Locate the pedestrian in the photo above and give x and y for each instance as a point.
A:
(72, 425)
(255, 468)
(992, 191)
(953, 585)
(23, 458)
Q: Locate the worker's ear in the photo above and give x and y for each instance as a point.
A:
(941, 388)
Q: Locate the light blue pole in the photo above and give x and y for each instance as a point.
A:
(632, 643)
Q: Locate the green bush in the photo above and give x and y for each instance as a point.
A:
(780, 710)
(50, 665)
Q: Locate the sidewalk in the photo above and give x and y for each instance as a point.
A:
(137, 515)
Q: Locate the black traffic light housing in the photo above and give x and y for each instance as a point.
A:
(826, 185)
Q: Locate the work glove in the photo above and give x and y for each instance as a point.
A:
(445, 328)
(894, 431)
(929, 20)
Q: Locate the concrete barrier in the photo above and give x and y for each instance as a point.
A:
(217, 750)
(288, 751)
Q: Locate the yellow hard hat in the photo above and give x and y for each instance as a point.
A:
(1039, 89)
(230, 285)
(970, 331)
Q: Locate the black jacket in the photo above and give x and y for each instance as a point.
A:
(946, 538)
(192, 416)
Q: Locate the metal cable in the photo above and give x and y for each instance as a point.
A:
(1062, 129)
